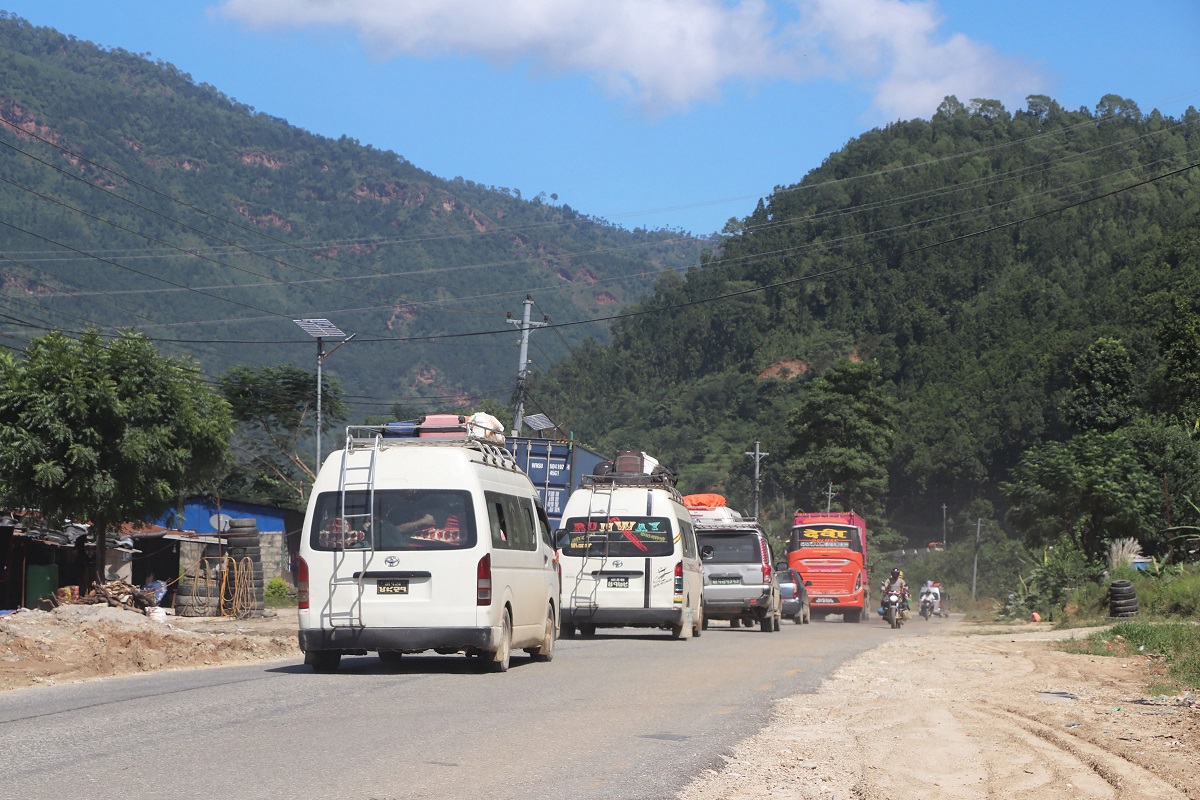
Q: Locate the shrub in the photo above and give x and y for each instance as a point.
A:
(277, 589)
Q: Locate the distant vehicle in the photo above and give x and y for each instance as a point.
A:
(740, 584)
(793, 595)
(935, 546)
(829, 550)
(628, 552)
(424, 536)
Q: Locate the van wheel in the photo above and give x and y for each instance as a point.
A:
(677, 631)
(735, 623)
(323, 660)
(767, 623)
(567, 632)
(699, 625)
(775, 623)
(503, 654)
(704, 624)
(588, 630)
(546, 651)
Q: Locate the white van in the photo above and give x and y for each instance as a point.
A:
(628, 552)
(414, 543)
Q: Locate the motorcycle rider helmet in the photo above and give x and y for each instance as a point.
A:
(895, 572)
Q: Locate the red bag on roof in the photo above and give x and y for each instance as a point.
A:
(703, 500)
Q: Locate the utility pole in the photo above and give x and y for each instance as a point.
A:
(829, 495)
(975, 567)
(523, 364)
(758, 457)
(943, 526)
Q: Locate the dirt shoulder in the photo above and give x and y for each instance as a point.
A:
(81, 642)
(963, 711)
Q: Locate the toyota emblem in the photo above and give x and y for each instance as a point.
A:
(392, 561)
(618, 563)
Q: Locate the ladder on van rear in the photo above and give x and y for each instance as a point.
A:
(354, 478)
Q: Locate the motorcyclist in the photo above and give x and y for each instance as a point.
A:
(895, 583)
(928, 595)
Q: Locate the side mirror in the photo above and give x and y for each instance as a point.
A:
(707, 552)
(808, 583)
(781, 566)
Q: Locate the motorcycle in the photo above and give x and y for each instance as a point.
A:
(927, 606)
(894, 606)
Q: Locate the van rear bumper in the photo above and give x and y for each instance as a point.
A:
(628, 617)
(347, 639)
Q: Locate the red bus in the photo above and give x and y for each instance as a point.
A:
(829, 550)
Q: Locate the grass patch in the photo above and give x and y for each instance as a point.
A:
(1175, 644)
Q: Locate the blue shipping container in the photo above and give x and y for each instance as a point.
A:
(555, 467)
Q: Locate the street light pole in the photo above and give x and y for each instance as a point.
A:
(319, 329)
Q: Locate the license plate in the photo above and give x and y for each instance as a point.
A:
(725, 582)
(823, 600)
(618, 583)
(387, 586)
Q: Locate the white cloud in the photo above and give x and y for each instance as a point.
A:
(664, 55)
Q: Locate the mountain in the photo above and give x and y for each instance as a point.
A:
(972, 257)
(135, 197)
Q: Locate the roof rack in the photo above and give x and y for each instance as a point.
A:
(381, 437)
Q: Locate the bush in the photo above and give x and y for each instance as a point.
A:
(277, 589)
(1176, 643)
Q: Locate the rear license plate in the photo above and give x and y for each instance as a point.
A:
(725, 582)
(823, 600)
(396, 586)
(618, 583)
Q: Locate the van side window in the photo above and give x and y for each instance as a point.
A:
(497, 519)
(689, 538)
(543, 525)
(512, 521)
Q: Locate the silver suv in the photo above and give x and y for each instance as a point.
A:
(739, 583)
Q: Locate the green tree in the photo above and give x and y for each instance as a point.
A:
(1091, 489)
(105, 433)
(842, 433)
(1101, 388)
(274, 409)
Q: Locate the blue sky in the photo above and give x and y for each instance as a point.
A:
(648, 113)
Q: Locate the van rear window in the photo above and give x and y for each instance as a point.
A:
(731, 548)
(399, 519)
(627, 537)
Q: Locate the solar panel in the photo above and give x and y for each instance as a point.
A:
(539, 422)
(319, 328)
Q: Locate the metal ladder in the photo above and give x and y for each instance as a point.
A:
(353, 478)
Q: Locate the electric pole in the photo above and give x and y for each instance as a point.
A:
(943, 526)
(829, 495)
(523, 365)
(758, 456)
(975, 567)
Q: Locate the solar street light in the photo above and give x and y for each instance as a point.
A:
(321, 329)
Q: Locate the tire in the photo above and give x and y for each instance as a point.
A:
(567, 632)
(1121, 584)
(704, 624)
(892, 617)
(808, 617)
(735, 623)
(503, 655)
(1123, 603)
(677, 631)
(798, 619)
(323, 661)
(587, 630)
(853, 616)
(767, 623)
(698, 627)
(775, 624)
(546, 651)
(748, 622)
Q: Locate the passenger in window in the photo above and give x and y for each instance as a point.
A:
(442, 523)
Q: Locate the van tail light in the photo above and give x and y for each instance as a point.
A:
(301, 582)
(483, 581)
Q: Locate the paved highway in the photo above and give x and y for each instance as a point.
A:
(628, 714)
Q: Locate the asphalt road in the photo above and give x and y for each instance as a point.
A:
(628, 714)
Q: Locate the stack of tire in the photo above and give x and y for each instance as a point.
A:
(197, 595)
(1122, 599)
(243, 596)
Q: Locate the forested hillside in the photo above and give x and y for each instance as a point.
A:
(939, 306)
(133, 196)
